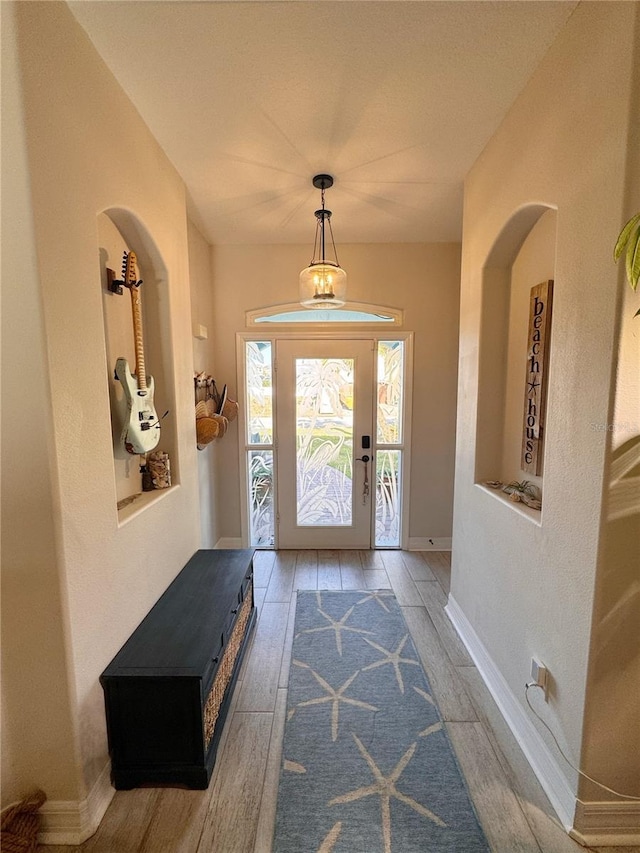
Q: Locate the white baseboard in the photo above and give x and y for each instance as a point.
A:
(607, 824)
(429, 543)
(72, 821)
(544, 765)
(228, 542)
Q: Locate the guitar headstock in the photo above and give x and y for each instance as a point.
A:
(130, 271)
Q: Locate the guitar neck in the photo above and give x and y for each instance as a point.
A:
(136, 311)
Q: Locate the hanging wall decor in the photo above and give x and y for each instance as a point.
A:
(214, 410)
(535, 395)
(141, 429)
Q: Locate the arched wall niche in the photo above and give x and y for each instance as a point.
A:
(522, 256)
(120, 230)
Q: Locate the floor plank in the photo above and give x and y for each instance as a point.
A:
(435, 600)
(417, 567)
(125, 823)
(401, 581)
(306, 576)
(351, 570)
(371, 559)
(231, 823)
(268, 804)
(329, 570)
(448, 689)
(376, 579)
(498, 809)
(283, 679)
(440, 564)
(281, 581)
(263, 562)
(262, 672)
(177, 823)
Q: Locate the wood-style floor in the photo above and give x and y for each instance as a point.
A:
(236, 814)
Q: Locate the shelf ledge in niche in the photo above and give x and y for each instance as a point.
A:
(532, 515)
(146, 499)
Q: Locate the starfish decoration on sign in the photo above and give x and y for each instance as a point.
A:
(337, 626)
(393, 658)
(385, 788)
(333, 695)
(377, 595)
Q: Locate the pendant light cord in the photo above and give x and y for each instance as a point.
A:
(322, 223)
(320, 239)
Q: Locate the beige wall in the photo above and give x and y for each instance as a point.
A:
(613, 688)
(423, 279)
(527, 589)
(95, 577)
(204, 360)
(38, 729)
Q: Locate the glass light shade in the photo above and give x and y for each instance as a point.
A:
(323, 285)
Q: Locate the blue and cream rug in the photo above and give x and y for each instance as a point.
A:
(367, 765)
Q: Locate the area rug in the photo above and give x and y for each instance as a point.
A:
(367, 764)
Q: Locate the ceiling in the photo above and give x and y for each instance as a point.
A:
(395, 99)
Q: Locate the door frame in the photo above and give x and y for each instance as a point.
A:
(307, 333)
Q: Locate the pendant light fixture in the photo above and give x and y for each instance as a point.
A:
(323, 284)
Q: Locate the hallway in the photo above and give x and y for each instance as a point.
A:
(236, 814)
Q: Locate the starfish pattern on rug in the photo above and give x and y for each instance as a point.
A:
(393, 658)
(337, 626)
(383, 780)
(330, 841)
(385, 788)
(425, 696)
(333, 695)
(378, 595)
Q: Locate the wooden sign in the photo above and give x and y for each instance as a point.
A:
(535, 393)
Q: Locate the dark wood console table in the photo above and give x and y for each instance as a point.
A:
(168, 689)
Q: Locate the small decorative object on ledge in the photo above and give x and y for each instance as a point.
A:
(214, 410)
(494, 484)
(128, 500)
(159, 468)
(524, 492)
(147, 478)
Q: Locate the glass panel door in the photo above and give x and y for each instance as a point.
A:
(324, 441)
(324, 412)
(389, 443)
(259, 442)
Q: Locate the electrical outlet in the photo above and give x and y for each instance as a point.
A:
(539, 674)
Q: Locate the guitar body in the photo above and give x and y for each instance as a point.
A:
(141, 430)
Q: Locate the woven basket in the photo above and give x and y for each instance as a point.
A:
(225, 670)
(19, 829)
(230, 409)
(206, 430)
(205, 409)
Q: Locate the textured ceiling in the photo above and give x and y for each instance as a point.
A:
(395, 99)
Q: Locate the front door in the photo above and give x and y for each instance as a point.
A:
(324, 423)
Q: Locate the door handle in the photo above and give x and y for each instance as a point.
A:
(365, 485)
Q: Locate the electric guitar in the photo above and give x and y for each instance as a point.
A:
(141, 430)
